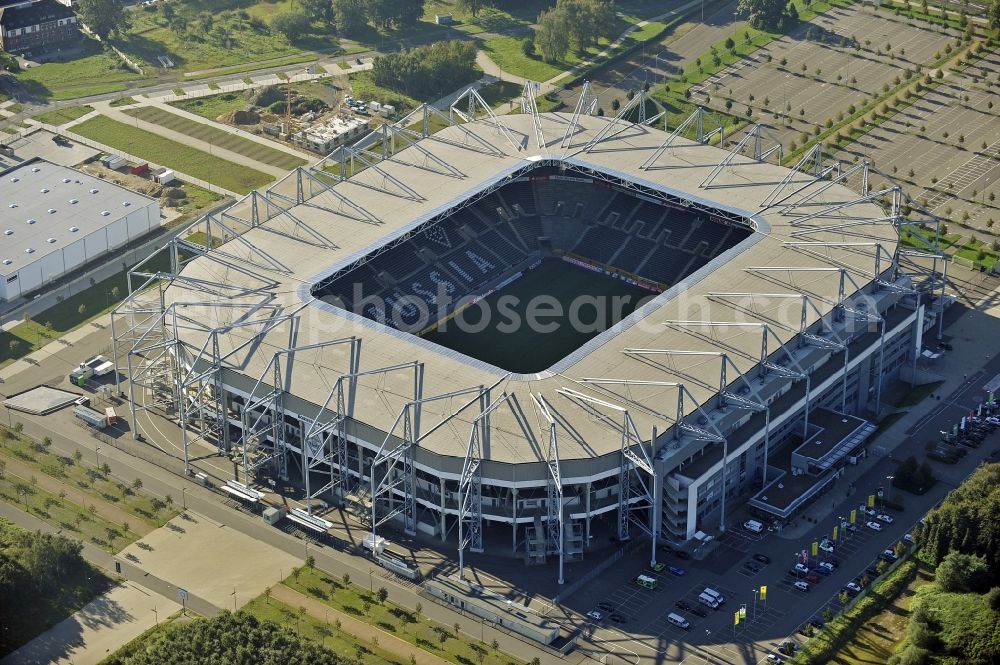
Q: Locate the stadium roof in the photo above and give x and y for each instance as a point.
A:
(47, 206)
(277, 260)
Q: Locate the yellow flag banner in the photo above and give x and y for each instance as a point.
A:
(763, 592)
(736, 619)
(815, 548)
(871, 500)
(854, 516)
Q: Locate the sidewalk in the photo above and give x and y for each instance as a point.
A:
(355, 627)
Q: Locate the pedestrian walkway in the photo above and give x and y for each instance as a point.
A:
(361, 630)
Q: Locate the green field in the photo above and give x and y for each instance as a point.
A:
(213, 106)
(217, 137)
(173, 155)
(93, 73)
(498, 331)
(64, 115)
(219, 34)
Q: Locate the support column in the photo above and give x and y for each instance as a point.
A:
(361, 464)
(444, 519)
(587, 528)
(513, 513)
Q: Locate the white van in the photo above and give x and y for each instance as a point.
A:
(801, 586)
(705, 599)
(753, 526)
(678, 620)
(719, 598)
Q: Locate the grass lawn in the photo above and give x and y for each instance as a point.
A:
(66, 315)
(81, 475)
(173, 155)
(64, 115)
(35, 616)
(876, 640)
(344, 64)
(402, 623)
(219, 34)
(506, 53)
(123, 101)
(980, 253)
(93, 73)
(213, 106)
(910, 233)
(201, 238)
(499, 93)
(218, 137)
(363, 87)
(251, 66)
(917, 395)
(311, 628)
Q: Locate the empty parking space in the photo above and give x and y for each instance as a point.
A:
(950, 140)
(843, 59)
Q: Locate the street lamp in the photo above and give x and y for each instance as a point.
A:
(371, 584)
(889, 487)
(184, 498)
(97, 455)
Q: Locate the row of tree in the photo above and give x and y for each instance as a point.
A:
(427, 72)
(913, 476)
(573, 23)
(772, 15)
(967, 521)
(351, 16)
(235, 639)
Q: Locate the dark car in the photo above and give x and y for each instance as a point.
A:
(605, 606)
(666, 549)
(697, 611)
(681, 554)
(617, 618)
(763, 558)
(682, 605)
(752, 567)
(813, 578)
(817, 624)
(872, 571)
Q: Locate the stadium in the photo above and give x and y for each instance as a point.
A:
(343, 332)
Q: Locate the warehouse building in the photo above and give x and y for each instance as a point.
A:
(56, 219)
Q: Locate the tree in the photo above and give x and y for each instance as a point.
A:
(318, 10)
(528, 47)
(137, 484)
(473, 6)
(552, 35)
(729, 44)
(347, 578)
(381, 594)
(962, 573)
(291, 24)
(763, 14)
(310, 561)
(349, 16)
(105, 18)
(993, 14)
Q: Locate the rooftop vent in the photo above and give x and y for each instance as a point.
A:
(45, 190)
(12, 205)
(7, 262)
(29, 251)
(105, 213)
(73, 229)
(52, 211)
(65, 180)
(50, 240)
(8, 232)
(126, 203)
(29, 221)
(35, 170)
(93, 190)
(74, 201)
(15, 179)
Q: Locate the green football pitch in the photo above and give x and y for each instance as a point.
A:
(530, 324)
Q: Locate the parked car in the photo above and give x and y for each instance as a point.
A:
(854, 586)
(697, 611)
(826, 546)
(874, 526)
(682, 605)
(595, 615)
(762, 558)
(658, 567)
(888, 555)
(800, 568)
(682, 555)
(774, 658)
(752, 567)
(849, 591)
(801, 585)
(908, 537)
(617, 618)
(872, 571)
(817, 623)
(679, 572)
(882, 517)
(813, 578)
(605, 606)
(827, 566)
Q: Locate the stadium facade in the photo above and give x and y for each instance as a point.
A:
(780, 310)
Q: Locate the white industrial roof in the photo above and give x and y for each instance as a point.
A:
(46, 206)
(331, 227)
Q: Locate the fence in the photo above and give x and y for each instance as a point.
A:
(594, 572)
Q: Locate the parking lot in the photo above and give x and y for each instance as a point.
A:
(824, 74)
(916, 139)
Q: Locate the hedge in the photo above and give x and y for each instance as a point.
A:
(821, 649)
